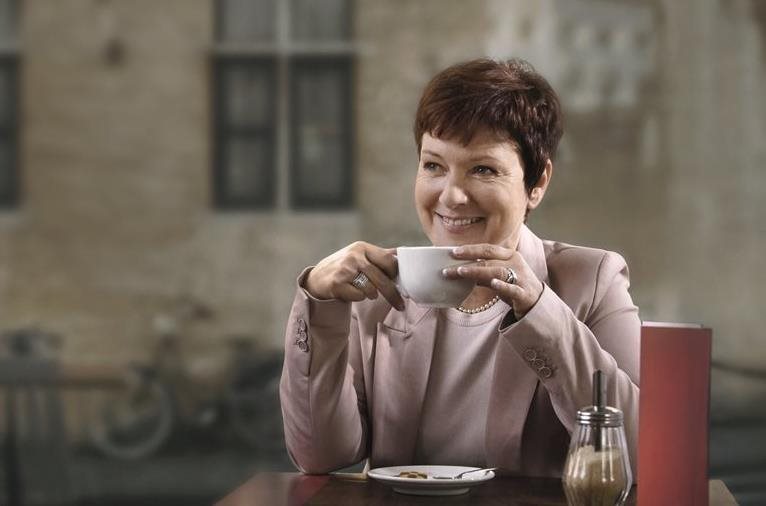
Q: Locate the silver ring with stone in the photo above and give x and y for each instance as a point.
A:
(360, 281)
(511, 277)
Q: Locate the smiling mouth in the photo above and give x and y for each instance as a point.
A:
(453, 223)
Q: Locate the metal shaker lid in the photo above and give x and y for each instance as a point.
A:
(602, 416)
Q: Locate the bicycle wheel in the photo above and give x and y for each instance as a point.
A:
(135, 421)
(252, 401)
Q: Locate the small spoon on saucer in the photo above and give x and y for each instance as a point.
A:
(458, 476)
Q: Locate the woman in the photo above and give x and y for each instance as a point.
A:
(498, 380)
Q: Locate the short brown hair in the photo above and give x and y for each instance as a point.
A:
(507, 97)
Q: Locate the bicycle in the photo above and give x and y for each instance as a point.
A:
(164, 395)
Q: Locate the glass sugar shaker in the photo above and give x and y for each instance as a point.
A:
(597, 469)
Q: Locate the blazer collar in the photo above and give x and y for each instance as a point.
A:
(405, 321)
(532, 249)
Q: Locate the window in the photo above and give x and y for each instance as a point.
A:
(283, 97)
(8, 101)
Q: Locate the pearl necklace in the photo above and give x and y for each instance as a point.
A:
(481, 308)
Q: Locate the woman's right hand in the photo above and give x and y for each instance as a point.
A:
(332, 277)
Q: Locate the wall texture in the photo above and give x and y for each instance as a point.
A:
(116, 222)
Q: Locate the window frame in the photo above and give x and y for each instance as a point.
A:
(284, 50)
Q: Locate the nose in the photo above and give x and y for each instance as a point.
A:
(454, 193)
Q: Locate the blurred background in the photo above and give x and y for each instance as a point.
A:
(167, 168)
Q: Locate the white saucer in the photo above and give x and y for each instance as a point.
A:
(430, 486)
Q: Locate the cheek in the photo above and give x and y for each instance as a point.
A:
(507, 206)
(425, 194)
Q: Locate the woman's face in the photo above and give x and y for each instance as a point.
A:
(473, 194)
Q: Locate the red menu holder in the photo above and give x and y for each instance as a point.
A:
(674, 408)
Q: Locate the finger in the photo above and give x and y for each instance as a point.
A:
(482, 274)
(483, 251)
(384, 259)
(452, 273)
(348, 293)
(384, 285)
(506, 291)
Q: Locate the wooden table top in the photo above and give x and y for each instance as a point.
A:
(292, 489)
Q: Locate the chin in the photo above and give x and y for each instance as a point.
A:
(456, 240)
(443, 236)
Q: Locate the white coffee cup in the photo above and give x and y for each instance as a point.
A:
(420, 276)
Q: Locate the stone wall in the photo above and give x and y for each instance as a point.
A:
(116, 221)
(114, 161)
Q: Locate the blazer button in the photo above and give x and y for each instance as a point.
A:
(545, 372)
(530, 354)
(538, 363)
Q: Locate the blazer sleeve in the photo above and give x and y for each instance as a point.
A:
(564, 351)
(321, 391)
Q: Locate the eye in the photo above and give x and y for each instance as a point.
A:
(431, 166)
(484, 170)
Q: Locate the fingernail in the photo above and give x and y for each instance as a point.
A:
(457, 251)
(496, 283)
(461, 270)
(445, 272)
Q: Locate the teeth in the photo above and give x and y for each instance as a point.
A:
(460, 221)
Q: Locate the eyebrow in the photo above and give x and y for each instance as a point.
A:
(432, 153)
(486, 159)
(478, 159)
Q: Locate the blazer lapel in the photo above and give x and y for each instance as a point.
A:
(513, 389)
(513, 383)
(400, 378)
(533, 251)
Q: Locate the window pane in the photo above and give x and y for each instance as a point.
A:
(248, 88)
(5, 95)
(248, 178)
(245, 125)
(7, 181)
(7, 133)
(321, 161)
(247, 20)
(7, 22)
(320, 19)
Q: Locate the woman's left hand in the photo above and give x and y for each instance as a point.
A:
(491, 269)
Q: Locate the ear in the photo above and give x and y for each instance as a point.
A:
(538, 192)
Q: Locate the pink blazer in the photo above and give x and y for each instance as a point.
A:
(355, 374)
